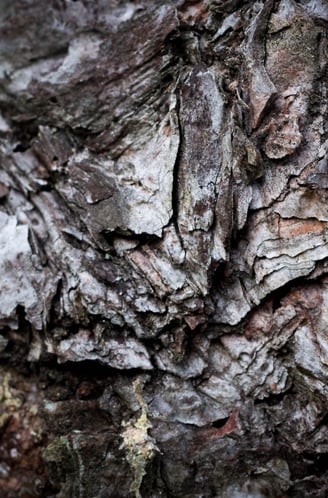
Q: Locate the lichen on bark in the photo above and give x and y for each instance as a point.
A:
(140, 447)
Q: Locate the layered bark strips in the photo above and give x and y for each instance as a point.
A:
(163, 249)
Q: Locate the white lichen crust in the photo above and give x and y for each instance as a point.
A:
(139, 446)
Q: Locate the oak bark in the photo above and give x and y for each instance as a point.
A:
(163, 249)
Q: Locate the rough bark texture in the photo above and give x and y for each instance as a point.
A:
(163, 249)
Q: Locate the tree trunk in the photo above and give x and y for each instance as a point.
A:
(163, 249)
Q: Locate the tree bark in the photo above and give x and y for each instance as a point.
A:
(163, 249)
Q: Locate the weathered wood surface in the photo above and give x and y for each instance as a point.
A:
(163, 249)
